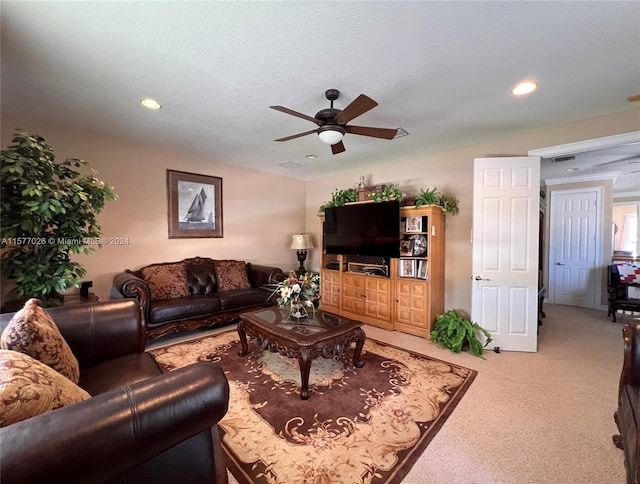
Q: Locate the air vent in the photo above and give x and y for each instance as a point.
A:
(561, 159)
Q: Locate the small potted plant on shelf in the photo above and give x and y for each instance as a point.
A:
(455, 332)
(340, 198)
(449, 203)
(388, 193)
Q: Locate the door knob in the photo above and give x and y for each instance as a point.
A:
(559, 264)
(478, 278)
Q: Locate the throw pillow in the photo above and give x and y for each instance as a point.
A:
(166, 281)
(232, 274)
(29, 388)
(32, 331)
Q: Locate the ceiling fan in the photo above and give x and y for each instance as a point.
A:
(332, 123)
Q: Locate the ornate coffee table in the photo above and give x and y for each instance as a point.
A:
(325, 335)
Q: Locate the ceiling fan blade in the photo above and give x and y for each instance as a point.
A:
(383, 133)
(282, 109)
(358, 106)
(337, 148)
(294, 136)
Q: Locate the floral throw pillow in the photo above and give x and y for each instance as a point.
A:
(232, 274)
(166, 281)
(29, 388)
(32, 331)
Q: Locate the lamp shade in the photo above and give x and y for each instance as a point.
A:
(301, 242)
(331, 134)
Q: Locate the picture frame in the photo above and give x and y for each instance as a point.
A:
(414, 224)
(194, 205)
(407, 267)
(419, 245)
(422, 270)
(406, 247)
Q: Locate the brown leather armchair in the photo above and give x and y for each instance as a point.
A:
(140, 426)
(626, 416)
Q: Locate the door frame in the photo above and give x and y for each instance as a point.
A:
(597, 289)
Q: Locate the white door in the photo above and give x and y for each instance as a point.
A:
(506, 201)
(573, 278)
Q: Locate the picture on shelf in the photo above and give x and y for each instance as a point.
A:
(419, 244)
(407, 268)
(414, 224)
(406, 247)
(422, 270)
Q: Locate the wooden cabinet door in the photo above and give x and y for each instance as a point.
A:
(377, 298)
(353, 292)
(330, 288)
(411, 307)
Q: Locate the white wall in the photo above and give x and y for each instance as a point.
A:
(452, 172)
(260, 211)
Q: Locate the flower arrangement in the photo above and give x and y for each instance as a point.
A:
(298, 293)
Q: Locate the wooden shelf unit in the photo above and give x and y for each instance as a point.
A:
(407, 304)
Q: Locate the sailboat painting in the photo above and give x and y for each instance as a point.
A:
(195, 205)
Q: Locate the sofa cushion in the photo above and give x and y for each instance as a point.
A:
(183, 308)
(232, 274)
(32, 331)
(28, 388)
(242, 298)
(118, 372)
(201, 277)
(166, 281)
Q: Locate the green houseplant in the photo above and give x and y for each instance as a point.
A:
(453, 331)
(48, 212)
(449, 203)
(340, 197)
(387, 193)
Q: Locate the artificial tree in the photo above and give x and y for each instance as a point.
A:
(48, 212)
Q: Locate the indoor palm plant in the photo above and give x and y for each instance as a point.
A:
(449, 203)
(48, 213)
(455, 332)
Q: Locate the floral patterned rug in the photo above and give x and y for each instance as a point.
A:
(359, 425)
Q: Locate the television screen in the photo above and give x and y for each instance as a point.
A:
(371, 229)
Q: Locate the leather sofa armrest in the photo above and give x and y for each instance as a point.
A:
(264, 275)
(130, 285)
(109, 435)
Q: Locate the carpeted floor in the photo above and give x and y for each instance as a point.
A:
(365, 424)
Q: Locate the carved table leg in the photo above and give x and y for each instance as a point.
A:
(358, 350)
(304, 360)
(242, 333)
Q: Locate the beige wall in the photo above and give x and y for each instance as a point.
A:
(452, 171)
(259, 218)
(260, 211)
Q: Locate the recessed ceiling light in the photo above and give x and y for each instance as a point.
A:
(524, 88)
(311, 157)
(571, 169)
(149, 103)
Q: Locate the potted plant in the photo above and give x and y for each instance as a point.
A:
(449, 203)
(48, 213)
(388, 193)
(339, 198)
(453, 331)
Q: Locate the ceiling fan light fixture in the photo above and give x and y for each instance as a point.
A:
(331, 134)
(525, 87)
(150, 103)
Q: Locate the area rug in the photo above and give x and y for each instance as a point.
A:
(359, 425)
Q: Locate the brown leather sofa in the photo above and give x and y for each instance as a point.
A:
(626, 416)
(139, 426)
(204, 303)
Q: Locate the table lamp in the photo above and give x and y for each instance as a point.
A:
(301, 242)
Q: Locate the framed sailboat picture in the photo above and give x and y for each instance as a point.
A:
(195, 205)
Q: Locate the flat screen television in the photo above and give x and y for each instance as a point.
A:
(367, 229)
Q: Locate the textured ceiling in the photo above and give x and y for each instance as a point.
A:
(441, 70)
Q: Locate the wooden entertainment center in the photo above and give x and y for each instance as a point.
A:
(404, 294)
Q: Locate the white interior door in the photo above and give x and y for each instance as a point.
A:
(573, 274)
(506, 200)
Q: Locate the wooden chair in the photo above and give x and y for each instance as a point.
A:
(618, 294)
